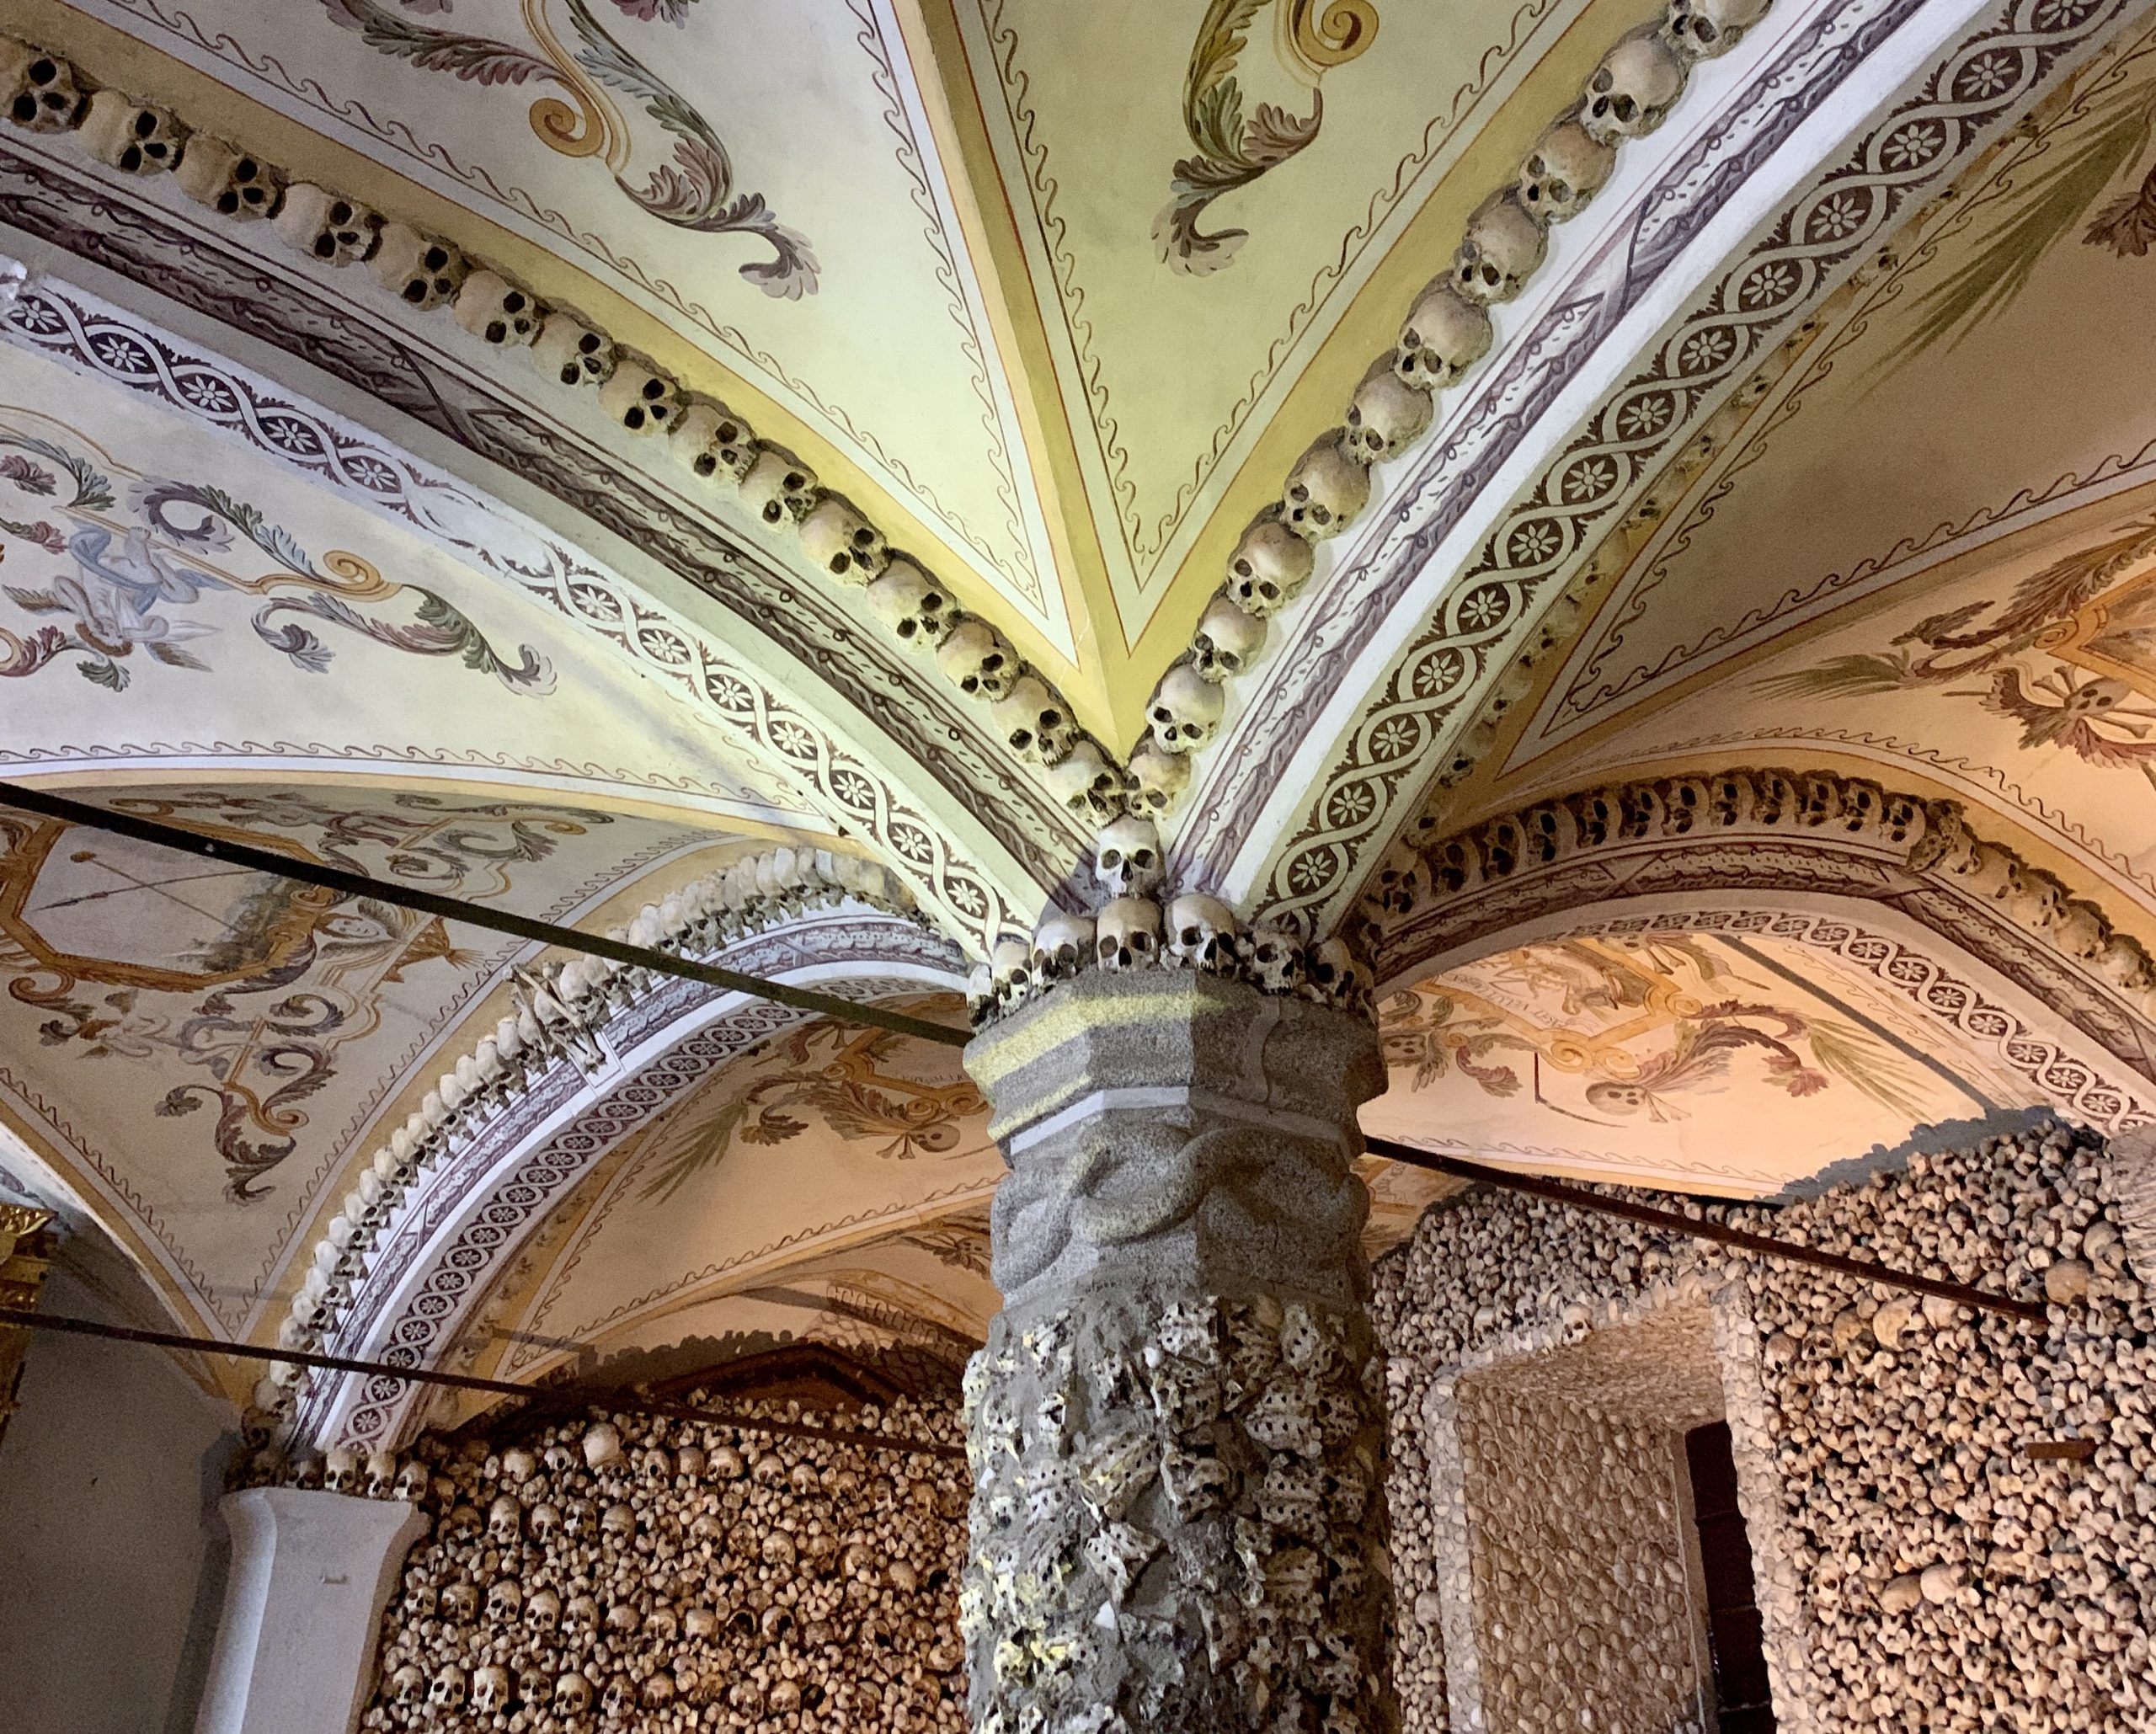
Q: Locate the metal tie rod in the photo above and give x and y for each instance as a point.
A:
(453, 908)
(17, 1317)
(1580, 1197)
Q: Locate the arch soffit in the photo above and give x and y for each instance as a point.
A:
(1842, 861)
(936, 803)
(411, 1286)
(1365, 735)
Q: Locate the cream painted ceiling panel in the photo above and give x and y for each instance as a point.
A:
(1665, 1060)
(202, 1051)
(169, 592)
(756, 174)
(1178, 322)
(827, 1142)
(1994, 379)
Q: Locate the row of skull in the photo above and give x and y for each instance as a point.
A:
(1447, 331)
(557, 1014)
(712, 444)
(1928, 837)
(1133, 929)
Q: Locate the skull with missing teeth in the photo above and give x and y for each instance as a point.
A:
(1127, 858)
(1128, 933)
(1269, 567)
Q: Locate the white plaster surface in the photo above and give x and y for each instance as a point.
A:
(311, 1574)
(108, 1567)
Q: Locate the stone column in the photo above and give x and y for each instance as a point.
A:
(310, 1576)
(1176, 1426)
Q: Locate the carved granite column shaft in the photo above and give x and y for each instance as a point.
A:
(1177, 1425)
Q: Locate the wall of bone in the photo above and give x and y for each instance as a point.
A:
(1918, 1566)
(661, 1575)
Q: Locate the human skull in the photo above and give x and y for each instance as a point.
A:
(504, 1521)
(1388, 413)
(1083, 780)
(569, 350)
(518, 1464)
(1158, 778)
(504, 1600)
(1334, 976)
(1565, 168)
(1228, 639)
(778, 487)
(1033, 721)
(418, 269)
(340, 1470)
(580, 1615)
(618, 1520)
(543, 1612)
(1200, 933)
(131, 136)
(42, 93)
(1444, 335)
(1275, 959)
(1632, 91)
(1269, 567)
(572, 1695)
(1127, 858)
(1501, 250)
(461, 1602)
(1326, 489)
(326, 226)
(490, 1689)
(1185, 709)
(1701, 28)
(844, 543)
(640, 399)
(412, 1482)
(382, 1478)
(1127, 933)
(496, 310)
(1011, 969)
(447, 1692)
(602, 1445)
(978, 660)
(909, 602)
(1063, 946)
(230, 182)
(408, 1686)
(620, 1696)
(689, 1462)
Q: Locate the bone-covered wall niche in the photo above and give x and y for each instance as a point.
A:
(664, 1574)
(1949, 1511)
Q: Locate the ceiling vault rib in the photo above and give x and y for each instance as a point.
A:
(451, 909)
(16, 1318)
(1580, 1198)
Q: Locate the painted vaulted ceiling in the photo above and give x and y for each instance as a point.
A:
(1804, 484)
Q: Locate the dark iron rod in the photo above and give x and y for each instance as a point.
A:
(17, 1317)
(1582, 1199)
(453, 908)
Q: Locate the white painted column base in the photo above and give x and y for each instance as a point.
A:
(311, 1574)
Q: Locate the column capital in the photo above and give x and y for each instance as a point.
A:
(1104, 1040)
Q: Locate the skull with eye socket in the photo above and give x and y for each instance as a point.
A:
(1269, 569)
(1127, 859)
(1326, 489)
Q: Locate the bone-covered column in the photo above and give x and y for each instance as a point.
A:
(1177, 1425)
